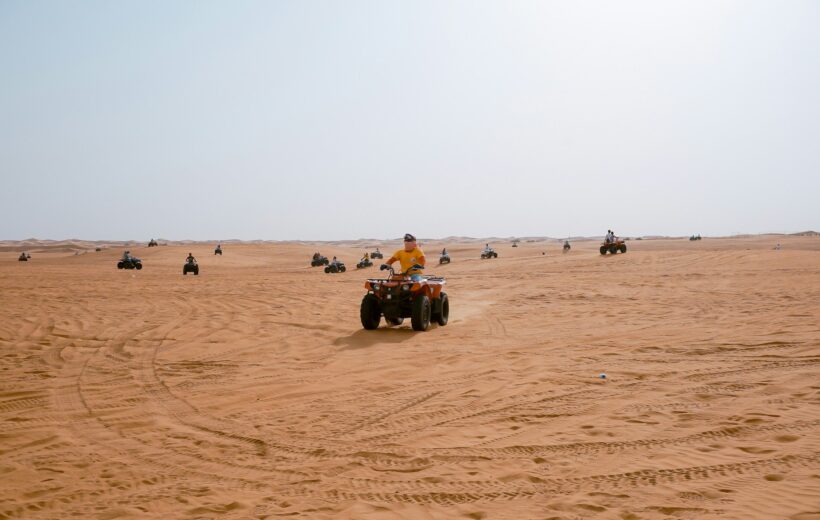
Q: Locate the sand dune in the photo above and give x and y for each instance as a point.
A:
(251, 391)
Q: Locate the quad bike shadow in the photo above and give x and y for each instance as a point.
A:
(362, 339)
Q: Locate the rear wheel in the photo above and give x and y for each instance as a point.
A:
(613, 250)
(327, 269)
(395, 322)
(370, 312)
(421, 313)
(442, 312)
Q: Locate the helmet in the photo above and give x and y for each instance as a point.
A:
(409, 238)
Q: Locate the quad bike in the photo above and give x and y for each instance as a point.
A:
(488, 253)
(130, 263)
(23, 257)
(695, 237)
(153, 243)
(364, 263)
(321, 260)
(613, 247)
(399, 296)
(190, 267)
(338, 267)
(376, 254)
(567, 247)
(218, 251)
(444, 259)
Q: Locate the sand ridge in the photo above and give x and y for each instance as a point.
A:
(251, 390)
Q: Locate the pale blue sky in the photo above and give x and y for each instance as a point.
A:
(331, 120)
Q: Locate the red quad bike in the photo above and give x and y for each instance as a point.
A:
(398, 296)
(613, 247)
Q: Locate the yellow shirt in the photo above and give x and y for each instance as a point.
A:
(409, 259)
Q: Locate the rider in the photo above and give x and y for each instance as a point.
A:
(334, 262)
(444, 252)
(190, 258)
(366, 257)
(126, 255)
(408, 257)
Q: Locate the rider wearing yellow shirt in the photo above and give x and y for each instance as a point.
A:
(408, 257)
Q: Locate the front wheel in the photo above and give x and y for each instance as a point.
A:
(603, 250)
(120, 265)
(442, 314)
(342, 269)
(623, 248)
(370, 312)
(138, 266)
(420, 318)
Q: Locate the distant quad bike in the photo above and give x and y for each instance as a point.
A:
(613, 247)
(23, 257)
(488, 253)
(694, 237)
(218, 251)
(130, 263)
(444, 259)
(567, 247)
(321, 260)
(190, 267)
(338, 267)
(364, 263)
(398, 297)
(376, 254)
(153, 243)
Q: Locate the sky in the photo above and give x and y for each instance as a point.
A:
(328, 120)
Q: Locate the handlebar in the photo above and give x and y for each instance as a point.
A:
(414, 267)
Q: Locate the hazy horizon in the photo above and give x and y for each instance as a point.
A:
(421, 239)
(324, 121)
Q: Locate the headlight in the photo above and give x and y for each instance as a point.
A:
(405, 287)
(375, 286)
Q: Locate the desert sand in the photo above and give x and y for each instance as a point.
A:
(251, 390)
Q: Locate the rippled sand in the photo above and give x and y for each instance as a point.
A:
(251, 391)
